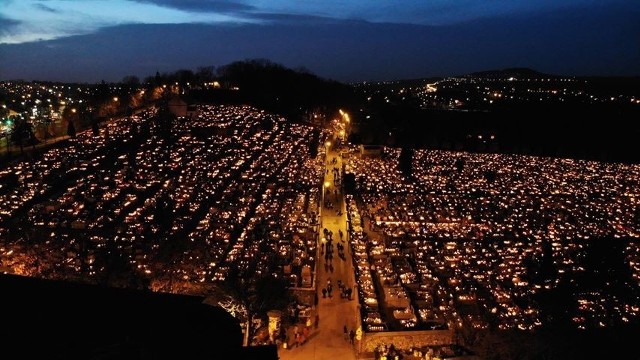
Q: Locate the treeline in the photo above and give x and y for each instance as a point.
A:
(275, 87)
(259, 82)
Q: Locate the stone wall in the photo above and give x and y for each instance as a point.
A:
(405, 339)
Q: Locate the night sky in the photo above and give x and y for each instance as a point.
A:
(345, 40)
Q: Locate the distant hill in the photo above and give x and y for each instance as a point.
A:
(393, 84)
(511, 72)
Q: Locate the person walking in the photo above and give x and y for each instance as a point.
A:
(305, 335)
(296, 340)
(352, 336)
(345, 331)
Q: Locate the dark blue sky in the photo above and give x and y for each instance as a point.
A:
(89, 41)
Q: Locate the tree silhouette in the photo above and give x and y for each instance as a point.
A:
(313, 143)
(270, 293)
(130, 80)
(404, 162)
(21, 133)
(71, 130)
(94, 127)
(256, 296)
(276, 88)
(205, 73)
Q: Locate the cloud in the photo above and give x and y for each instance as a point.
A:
(591, 41)
(202, 5)
(7, 24)
(422, 12)
(34, 20)
(280, 18)
(45, 8)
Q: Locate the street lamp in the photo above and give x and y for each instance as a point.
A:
(347, 120)
(326, 186)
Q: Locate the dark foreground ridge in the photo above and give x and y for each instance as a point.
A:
(63, 320)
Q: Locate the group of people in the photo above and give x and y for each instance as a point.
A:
(328, 290)
(349, 335)
(328, 203)
(299, 337)
(341, 251)
(336, 173)
(345, 291)
(327, 248)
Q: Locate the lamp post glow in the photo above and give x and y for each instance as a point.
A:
(324, 187)
(346, 122)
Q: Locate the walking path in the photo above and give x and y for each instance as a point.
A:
(328, 341)
(9, 150)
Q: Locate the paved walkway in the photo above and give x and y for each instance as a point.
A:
(328, 341)
(15, 149)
